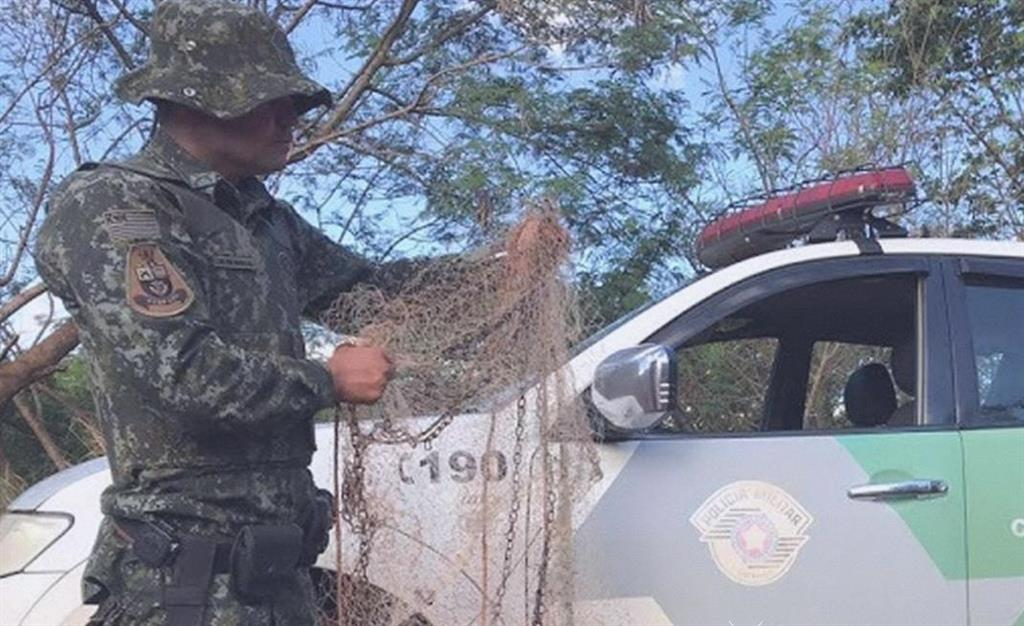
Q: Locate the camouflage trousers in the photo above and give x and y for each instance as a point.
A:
(135, 594)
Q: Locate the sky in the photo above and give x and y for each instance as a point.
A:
(331, 67)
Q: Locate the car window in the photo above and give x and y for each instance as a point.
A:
(833, 363)
(996, 314)
(830, 355)
(722, 385)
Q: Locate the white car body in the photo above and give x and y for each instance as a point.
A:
(46, 591)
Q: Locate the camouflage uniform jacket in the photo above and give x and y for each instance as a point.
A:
(188, 293)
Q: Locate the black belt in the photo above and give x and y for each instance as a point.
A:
(257, 558)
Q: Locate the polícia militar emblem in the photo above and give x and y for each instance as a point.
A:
(155, 287)
(754, 531)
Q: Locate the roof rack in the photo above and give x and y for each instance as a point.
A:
(838, 206)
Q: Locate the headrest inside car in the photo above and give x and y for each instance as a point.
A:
(869, 396)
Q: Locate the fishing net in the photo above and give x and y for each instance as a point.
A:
(457, 489)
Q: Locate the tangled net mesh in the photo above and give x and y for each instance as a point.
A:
(457, 489)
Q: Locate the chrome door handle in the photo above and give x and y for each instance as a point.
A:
(894, 491)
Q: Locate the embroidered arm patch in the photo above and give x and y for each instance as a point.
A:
(155, 287)
(131, 226)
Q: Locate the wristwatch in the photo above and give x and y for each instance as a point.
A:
(350, 340)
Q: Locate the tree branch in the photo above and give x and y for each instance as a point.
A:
(741, 119)
(299, 15)
(90, 11)
(1011, 171)
(69, 125)
(9, 308)
(9, 345)
(421, 100)
(38, 428)
(357, 86)
(37, 203)
(37, 362)
(86, 420)
(128, 16)
(457, 28)
(57, 58)
(117, 140)
(359, 204)
(394, 244)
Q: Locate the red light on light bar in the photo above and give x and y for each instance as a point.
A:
(797, 207)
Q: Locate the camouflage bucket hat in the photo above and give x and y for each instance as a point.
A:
(220, 58)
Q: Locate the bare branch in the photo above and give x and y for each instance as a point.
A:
(457, 28)
(299, 15)
(8, 346)
(347, 7)
(69, 126)
(394, 244)
(9, 308)
(38, 428)
(418, 104)
(117, 140)
(37, 362)
(362, 79)
(128, 16)
(741, 118)
(359, 204)
(89, 10)
(37, 203)
(57, 58)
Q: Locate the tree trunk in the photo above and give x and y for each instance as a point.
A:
(35, 422)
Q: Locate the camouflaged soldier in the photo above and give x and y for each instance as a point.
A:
(187, 281)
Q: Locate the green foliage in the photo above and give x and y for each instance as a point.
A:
(966, 59)
(566, 109)
(64, 402)
(722, 385)
(943, 45)
(934, 83)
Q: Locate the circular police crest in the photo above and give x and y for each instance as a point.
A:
(754, 531)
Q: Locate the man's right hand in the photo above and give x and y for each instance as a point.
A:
(360, 373)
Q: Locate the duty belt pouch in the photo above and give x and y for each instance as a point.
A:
(317, 524)
(262, 558)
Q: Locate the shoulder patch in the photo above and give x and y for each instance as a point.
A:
(127, 226)
(155, 287)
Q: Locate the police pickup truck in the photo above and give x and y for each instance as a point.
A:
(823, 433)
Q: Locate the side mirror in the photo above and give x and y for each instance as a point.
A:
(635, 388)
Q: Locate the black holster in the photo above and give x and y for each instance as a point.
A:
(193, 559)
(262, 558)
(185, 595)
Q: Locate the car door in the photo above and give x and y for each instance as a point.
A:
(760, 500)
(987, 309)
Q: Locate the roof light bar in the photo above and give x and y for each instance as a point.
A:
(785, 215)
